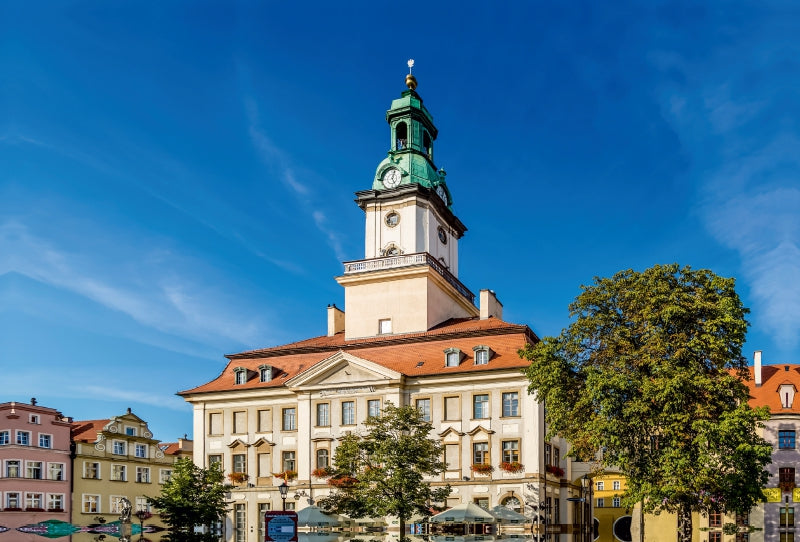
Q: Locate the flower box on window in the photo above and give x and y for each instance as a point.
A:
(55, 509)
(786, 486)
(12, 509)
(286, 476)
(33, 509)
(511, 466)
(343, 481)
(555, 471)
(238, 477)
(482, 468)
(322, 472)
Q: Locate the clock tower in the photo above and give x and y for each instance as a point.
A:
(408, 279)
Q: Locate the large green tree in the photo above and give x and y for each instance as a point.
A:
(192, 496)
(382, 471)
(648, 377)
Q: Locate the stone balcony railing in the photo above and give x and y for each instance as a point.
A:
(408, 260)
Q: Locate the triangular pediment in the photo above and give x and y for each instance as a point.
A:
(451, 435)
(480, 430)
(238, 443)
(343, 370)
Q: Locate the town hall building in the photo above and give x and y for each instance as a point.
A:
(410, 333)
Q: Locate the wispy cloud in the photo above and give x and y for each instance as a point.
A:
(746, 160)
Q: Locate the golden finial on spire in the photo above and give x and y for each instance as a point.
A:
(411, 81)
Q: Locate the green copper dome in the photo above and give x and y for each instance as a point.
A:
(411, 153)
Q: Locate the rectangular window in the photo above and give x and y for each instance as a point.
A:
(55, 471)
(91, 470)
(118, 472)
(556, 456)
(787, 516)
(452, 358)
(34, 501)
(510, 451)
(5, 438)
(615, 502)
(239, 463)
(240, 376)
(141, 451)
(786, 475)
(240, 422)
(263, 508)
(480, 453)
(714, 519)
(265, 420)
(34, 470)
(452, 408)
(34, 418)
(164, 475)
(511, 404)
(214, 459)
(91, 504)
(615, 485)
(548, 454)
(424, 407)
(289, 419)
(786, 440)
(374, 408)
(483, 502)
(142, 505)
(264, 465)
(130, 431)
(743, 520)
(289, 462)
(601, 486)
(601, 502)
(480, 406)
(13, 468)
(481, 356)
(119, 447)
(24, 438)
(715, 536)
(323, 458)
(115, 504)
(143, 475)
(215, 423)
(323, 415)
(557, 511)
(13, 500)
(45, 441)
(55, 502)
(348, 412)
(452, 456)
(787, 537)
(385, 326)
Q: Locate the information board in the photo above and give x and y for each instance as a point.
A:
(281, 526)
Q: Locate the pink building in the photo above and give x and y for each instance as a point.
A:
(35, 464)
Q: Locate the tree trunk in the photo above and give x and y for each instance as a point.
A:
(402, 529)
(685, 523)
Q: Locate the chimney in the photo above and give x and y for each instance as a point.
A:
(490, 305)
(335, 320)
(757, 367)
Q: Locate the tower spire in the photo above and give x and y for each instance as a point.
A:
(411, 81)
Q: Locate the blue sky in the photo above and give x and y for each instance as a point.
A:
(177, 179)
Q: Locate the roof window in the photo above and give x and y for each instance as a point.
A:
(240, 375)
(265, 372)
(482, 354)
(452, 357)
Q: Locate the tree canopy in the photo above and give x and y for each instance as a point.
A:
(192, 496)
(648, 377)
(382, 472)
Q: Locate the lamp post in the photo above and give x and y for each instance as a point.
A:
(586, 494)
(284, 489)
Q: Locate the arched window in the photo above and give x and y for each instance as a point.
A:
(391, 250)
(401, 136)
(427, 145)
(512, 503)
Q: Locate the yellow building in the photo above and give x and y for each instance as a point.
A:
(115, 459)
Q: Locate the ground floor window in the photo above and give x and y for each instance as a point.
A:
(240, 523)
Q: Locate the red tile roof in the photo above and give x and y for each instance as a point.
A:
(411, 354)
(87, 430)
(772, 377)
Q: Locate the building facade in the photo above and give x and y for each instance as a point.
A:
(411, 334)
(114, 459)
(35, 461)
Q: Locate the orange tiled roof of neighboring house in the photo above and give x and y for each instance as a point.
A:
(87, 430)
(411, 354)
(170, 448)
(772, 377)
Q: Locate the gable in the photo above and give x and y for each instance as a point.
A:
(343, 370)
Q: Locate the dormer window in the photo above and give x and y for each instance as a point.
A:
(265, 372)
(786, 392)
(452, 357)
(482, 354)
(240, 375)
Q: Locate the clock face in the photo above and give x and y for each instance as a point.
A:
(391, 178)
(442, 194)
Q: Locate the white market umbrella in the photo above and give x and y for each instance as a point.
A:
(464, 513)
(506, 515)
(313, 516)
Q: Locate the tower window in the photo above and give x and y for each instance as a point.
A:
(391, 250)
(392, 219)
(427, 145)
(401, 136)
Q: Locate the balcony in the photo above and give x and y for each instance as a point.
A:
(408, 260)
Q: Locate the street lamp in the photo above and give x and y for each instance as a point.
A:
(587, 506)
(284, 489)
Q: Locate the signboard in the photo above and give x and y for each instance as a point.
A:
(773, 494)
(280, 526)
